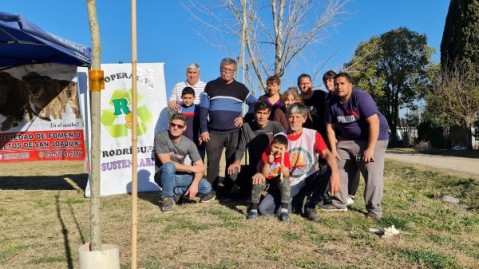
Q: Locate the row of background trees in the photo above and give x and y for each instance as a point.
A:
(395, 67)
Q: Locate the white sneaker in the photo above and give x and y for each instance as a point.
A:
(349, 201)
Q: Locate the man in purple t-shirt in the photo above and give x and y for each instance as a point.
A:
(354, 120)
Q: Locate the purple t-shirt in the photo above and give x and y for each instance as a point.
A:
(350, 118)
(274, 106)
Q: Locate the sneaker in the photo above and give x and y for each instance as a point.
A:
(252, 215)
(372, 216)
(177, 198)
(310, 214)
(327, 199)
(167, 204)
(349, 200)
(284, 216)
(210, 196)
(331, 207)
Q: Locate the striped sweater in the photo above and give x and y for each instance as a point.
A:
(221, 103)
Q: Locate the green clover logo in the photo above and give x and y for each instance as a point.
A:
(118, 120)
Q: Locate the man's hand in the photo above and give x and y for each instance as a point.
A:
(258, 178)
(336, 155)
(197, 168)
(368, 155)
(334, 184)
(239, 121)
(205, 137)
(174, 107)
(231, 168)
(192, 191)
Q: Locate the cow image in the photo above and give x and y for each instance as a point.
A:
(13, 100)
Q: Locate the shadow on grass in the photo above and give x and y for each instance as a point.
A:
(234, 204)
(358, 210)
(152, 197)
(61, 182)
(456, 153)
(66, 239)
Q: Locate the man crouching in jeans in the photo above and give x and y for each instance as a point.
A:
(174, 177)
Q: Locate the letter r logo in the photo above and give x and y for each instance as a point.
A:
(120, 105)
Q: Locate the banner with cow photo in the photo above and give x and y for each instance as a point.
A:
(40, 117)
(116, 124)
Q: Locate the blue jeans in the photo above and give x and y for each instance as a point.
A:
(172, 183)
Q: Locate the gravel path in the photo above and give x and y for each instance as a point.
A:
(465, 166)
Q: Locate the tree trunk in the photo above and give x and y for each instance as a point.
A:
(95, 99)
(469, 134)
(394, 118)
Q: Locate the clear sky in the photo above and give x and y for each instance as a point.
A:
(167, 33)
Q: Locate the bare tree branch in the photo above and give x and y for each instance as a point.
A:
(277, 31)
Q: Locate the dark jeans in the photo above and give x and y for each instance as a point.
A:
(313, 192)
(202, 151)
(243, 180)
(214, 150)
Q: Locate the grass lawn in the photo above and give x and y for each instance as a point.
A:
(44, 219)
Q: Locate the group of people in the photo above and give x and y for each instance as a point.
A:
(306, 148)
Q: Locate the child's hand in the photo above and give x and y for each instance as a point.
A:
(285, 171)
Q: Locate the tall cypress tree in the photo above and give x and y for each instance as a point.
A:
(457, 91)
(460, 40)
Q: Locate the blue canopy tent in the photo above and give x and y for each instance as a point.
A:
(22, 42)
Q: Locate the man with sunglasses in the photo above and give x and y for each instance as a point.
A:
(175, 177)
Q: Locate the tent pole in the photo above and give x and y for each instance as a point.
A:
(134, 157)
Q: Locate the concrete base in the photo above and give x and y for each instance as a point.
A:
(107, 258)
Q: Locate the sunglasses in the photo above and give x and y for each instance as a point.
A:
(179, 126)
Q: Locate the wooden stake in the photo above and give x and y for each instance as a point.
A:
(282, 163)
(134, 157)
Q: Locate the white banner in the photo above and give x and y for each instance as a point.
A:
(115, 148)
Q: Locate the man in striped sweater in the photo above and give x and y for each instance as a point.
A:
(220, 117)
